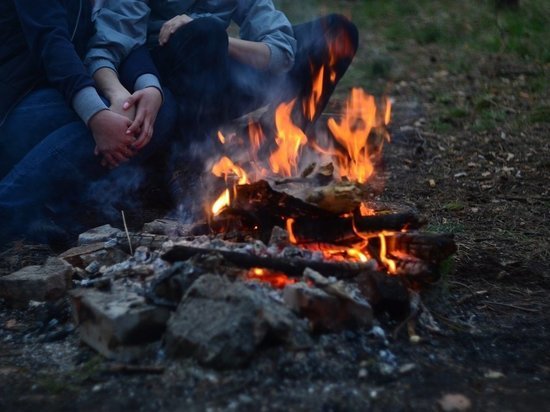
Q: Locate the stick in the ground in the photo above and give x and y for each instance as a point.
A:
(127, 232)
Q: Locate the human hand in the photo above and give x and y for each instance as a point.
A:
(171, 26)
(147, 103)
(117, 104)
(109, 130)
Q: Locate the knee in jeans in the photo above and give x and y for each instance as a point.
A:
(206, 32)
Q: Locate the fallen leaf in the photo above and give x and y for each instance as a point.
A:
(452, 402)
(494, 375)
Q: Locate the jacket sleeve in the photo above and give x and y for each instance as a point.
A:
(121, 26)
(138, 71)
(47, 34)
(260, 21)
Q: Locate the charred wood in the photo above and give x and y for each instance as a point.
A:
(429, 247)
(341, 229)
(259, 197)
(292, 267)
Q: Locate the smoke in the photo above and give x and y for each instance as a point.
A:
(115, 192)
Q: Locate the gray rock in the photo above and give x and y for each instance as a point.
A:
(119, 324)
(98, 234)
(39, 283)
(330, 308)
(222, 323)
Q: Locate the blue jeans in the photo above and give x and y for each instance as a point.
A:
(49, 154)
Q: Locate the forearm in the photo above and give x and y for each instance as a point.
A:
(255, 54)
(108, 83)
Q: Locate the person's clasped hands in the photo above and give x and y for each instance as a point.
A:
(127, 127)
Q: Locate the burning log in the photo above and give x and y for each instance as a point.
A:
(260, 198)
(429, 247)
(292, 267)
(341, 229)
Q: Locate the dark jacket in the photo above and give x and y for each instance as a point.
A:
(42, 42)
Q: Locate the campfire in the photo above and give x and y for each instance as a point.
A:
(294, 242)
(320, 190)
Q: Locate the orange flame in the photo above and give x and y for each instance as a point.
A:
(387, 111)
(354, 253)
(289, 139)
(291, 236)
(221, 137)
(223, 201)
(389, 263)
(310, 106)
(225, 167)
(352, 133)
(256, 135)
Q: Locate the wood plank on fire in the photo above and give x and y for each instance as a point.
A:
(336, 229)
(429, 247)
(291, 267)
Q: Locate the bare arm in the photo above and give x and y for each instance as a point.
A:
(108, 83)
(252, 53)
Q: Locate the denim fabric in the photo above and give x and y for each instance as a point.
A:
(37, 115)
(60, 164)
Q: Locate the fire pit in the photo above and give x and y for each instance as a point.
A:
(293, 243)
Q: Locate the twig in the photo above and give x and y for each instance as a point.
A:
(488, 302)
(127, 232)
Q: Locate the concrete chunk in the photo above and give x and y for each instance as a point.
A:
(118, 324)
(222, 323)
(40, 282)
(98, 234)
(325, 311)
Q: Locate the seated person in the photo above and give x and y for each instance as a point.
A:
(57, 134)
(216, 77)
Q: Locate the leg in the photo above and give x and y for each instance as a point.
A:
(330, 42)
(62, 166)
(23, 129)
(194, 66)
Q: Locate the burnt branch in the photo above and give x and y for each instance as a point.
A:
(292, 267)
(341, 229)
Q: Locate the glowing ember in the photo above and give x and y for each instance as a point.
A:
(366, 211)
(290, 139)
(221, 137)
(291, 237)
(275, 279)
(354, 253)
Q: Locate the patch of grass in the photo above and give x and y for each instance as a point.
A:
(449, 227)
(540, 115)
(465, 25)
(454, 206)
(489, 119)
(429, 33)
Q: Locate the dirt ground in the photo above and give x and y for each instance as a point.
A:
(470, 150)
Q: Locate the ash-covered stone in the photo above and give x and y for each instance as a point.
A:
(223, 323)
(118, 324)
(82, 256)
(328, 311)
(98, 234)
(39, 283)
